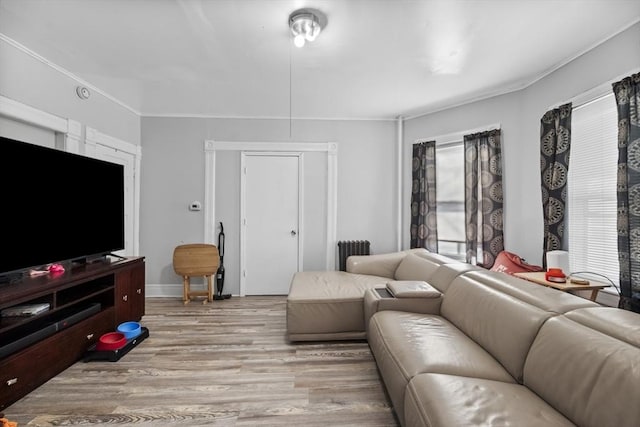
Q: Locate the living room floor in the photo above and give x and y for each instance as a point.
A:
(226, 363)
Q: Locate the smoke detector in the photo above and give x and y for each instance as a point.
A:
(83, 92)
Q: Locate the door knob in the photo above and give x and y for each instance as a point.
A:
(293, 232)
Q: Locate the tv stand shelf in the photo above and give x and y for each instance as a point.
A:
(85, 302)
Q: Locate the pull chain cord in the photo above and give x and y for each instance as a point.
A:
(599, 275)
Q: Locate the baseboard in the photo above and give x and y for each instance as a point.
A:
(163, 290)
(173, 290)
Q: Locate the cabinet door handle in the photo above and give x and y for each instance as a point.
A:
(89, 336)
(139, 291)
(12, 381)
(124, 298)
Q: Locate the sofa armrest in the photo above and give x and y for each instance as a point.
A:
(384, 265)
(375, 300)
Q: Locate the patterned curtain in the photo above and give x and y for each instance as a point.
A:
(627, 93)
(555, 143)
(483, 193)
(424, 233)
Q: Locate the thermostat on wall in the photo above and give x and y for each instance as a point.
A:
(195, 206)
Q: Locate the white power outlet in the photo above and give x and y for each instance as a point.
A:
(195, 206)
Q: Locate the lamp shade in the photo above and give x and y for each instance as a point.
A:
(558, 259)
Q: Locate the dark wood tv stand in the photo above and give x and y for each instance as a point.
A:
(111, 291)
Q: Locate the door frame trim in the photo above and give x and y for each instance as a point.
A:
(93, 138)
(243, 209)
(331, 148)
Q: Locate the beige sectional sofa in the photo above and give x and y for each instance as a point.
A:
(328, 305)
(473, 347)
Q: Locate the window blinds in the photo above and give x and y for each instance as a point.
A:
(591, 189)
(450, 199)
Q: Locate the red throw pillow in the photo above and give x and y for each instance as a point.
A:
(510, 263)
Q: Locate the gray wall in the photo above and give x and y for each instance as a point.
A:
(173, 175)
(24, 132)
(519, 114)
(28, 80)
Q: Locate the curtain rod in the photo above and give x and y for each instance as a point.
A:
(595, 93)
(457, 136)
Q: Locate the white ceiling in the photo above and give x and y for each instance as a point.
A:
(374, 59)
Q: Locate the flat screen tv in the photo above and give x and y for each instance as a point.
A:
(57, 206)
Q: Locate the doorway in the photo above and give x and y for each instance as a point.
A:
(271, 221)
(105, 147)
(127, 160)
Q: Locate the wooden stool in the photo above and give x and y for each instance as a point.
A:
(196, 259)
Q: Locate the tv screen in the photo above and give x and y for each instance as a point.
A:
(57, 206)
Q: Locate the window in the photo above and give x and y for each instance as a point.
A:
(591, 189)
(450, 193)
(450, 199)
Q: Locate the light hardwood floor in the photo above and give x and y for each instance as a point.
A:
(226, 363)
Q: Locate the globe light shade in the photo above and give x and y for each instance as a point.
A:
(299, 40)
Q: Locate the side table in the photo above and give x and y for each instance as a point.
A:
(538, 277)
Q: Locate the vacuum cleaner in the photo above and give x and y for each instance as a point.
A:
(220, 273)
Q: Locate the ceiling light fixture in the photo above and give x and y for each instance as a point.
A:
(305, 26)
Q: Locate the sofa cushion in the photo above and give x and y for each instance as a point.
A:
(383, 265)
(444, 275)
(414, 267)
(328, 304)
(621, 324)
(545, 298)
(503, 325)
(444, 400)
(407, 344)
(435, 257)
(591, 377)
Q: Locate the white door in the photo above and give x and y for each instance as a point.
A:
(271, 223)
(128, 161)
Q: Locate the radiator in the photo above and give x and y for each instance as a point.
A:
(346, 248)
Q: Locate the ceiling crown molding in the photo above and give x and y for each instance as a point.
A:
(66, 72)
